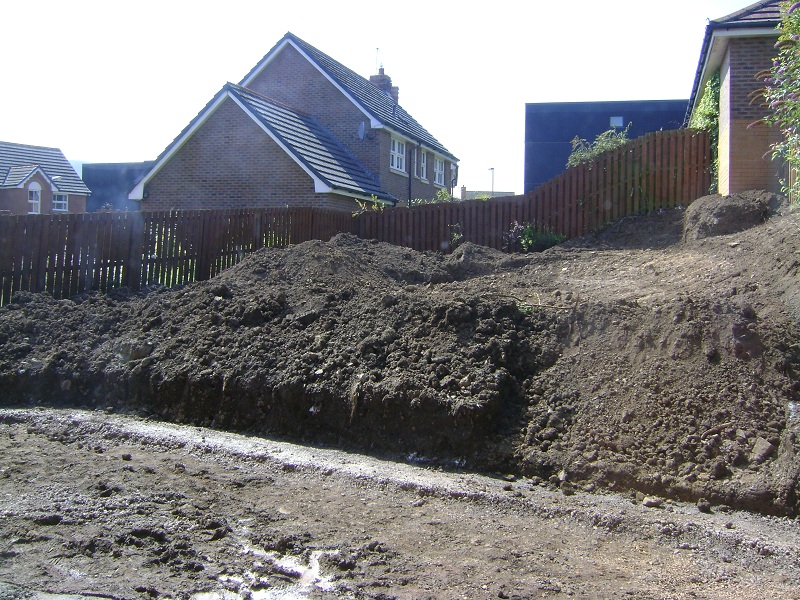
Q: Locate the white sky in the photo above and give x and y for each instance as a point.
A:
(116, 81)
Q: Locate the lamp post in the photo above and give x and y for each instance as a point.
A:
(492, 170)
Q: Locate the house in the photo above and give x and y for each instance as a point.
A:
(299, 129)
(110, 184)
(737, 47)
(550, 128)
(38, 180)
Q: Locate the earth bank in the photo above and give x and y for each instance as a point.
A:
(659, 355)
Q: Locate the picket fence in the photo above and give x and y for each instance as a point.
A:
(65, 255)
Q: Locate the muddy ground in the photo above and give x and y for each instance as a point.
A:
(657, 358)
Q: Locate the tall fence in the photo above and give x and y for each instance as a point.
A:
(659, 170)
(65, 255)
(69, 254)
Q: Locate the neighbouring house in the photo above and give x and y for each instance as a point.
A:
(737, 47)
(38, 180)
(300, 129)
(110, 184)
(550, 128)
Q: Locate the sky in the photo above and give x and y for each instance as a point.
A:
(116, 81)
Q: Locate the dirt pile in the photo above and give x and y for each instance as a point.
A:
(660, 355)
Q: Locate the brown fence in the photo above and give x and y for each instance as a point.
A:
(69, 254)
(65, 255)
(660, 170)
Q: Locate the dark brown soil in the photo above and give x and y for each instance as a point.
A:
(658, 357)
(655, 355)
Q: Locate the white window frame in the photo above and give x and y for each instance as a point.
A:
(34, 199)
(397, 155)
(438, 171)
(60, 203)
(422, 164)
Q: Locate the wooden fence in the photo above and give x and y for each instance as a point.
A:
(65, 255)
(69, 254)
(660, 170)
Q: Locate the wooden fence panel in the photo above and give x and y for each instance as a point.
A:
(69, 254)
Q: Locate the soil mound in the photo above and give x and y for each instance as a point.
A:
(720, 215)
(648, 356)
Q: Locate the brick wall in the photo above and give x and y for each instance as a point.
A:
(745, 161)
(230, 162)
(15, 200)
(292, 80)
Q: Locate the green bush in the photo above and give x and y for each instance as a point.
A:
(781, 93)
(584, 151)
(706, 116)
(528, 237)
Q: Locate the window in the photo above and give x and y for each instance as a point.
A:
(34, 199)
(422, 163)
(438, 171)
(397, 157)
(616, 122)
(60, 202)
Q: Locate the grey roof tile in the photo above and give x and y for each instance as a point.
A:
(312, 144)
(17, 161)
(765, 13)
(372, 99)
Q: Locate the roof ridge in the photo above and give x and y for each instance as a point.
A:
(746, 11)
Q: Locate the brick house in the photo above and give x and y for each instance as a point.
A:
(737, 47)
(38, 180)
(299, 129)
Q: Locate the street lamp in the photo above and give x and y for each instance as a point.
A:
(492, 170)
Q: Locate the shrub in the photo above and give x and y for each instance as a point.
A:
(528, 237)
(584, 151)
(706, 116)
(781, 94)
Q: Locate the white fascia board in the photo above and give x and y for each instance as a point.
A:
(319, 185)
(138, 192)
(361, 197)
(373, 122)
(718, 47)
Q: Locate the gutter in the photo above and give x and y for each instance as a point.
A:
(722, 31)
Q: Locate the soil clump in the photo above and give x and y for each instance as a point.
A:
(658, 356)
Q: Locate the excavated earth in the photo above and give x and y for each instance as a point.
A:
(658, 358)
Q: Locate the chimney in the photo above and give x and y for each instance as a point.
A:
(384, 83)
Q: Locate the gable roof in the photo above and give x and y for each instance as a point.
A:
(333, 168)
(19, 161)
(384, 111)
(758, 19)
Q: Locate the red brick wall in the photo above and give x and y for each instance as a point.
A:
(15, 200)
(746, 146)
(230, 162)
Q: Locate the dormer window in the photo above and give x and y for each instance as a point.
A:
(397, 155)
(34, 199)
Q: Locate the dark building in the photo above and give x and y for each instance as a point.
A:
(111, 183)
(551, 126)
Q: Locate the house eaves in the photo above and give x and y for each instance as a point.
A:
(760, 19)
(331, 167)
(381, 109)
